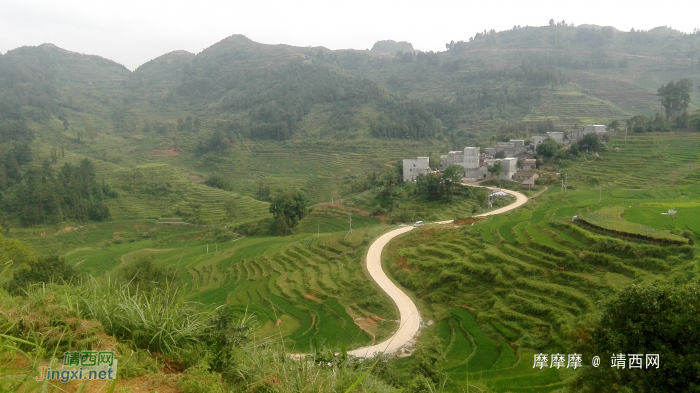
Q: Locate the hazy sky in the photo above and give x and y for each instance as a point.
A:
(134, 32)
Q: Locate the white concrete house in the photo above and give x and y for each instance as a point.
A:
(414, 167)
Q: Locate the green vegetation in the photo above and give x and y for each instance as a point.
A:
(528, 281)
(164, 183)
(610, 219)
(288, 208)
(657, 320)
(44, 196)
(55, 318)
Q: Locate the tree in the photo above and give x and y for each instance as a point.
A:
(452, 177)
(263, 191)
(638, 124)
(288, 208)
(549, 148)
(428, 186)
(216, 181)
(675, 97)
(615, 124)
(47, 269)
(659, 319)
(496, 168)
(589, 142)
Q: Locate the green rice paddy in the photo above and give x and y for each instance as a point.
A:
(527, 281)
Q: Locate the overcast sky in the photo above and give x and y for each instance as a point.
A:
(134, 32)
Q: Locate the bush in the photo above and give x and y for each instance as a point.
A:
(136, 363)
(145, 274)
(219, 182)
(47, 269)
(198, 379)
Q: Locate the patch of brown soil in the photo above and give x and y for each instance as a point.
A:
(279, 322)
(42, 234)
(402, 262)
(197, 178)
(312, 296)
(164, 153)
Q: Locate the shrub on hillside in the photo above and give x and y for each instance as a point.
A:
(45, 270)
(145, 274)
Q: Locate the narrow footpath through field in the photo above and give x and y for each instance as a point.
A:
(410, 317)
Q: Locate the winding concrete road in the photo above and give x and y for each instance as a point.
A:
(410, 317)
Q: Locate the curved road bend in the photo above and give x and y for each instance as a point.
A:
(410, 317)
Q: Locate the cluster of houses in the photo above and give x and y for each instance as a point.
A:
(517, 160)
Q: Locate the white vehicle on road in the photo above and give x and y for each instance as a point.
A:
(417, 223)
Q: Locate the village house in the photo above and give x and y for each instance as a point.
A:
(577, 135)
(527, 164)
(414, 167)
(526, 178)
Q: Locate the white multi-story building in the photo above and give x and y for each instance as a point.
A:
(508, 166)
(414, 167)
(467, 158)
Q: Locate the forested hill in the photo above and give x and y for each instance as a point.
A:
(244, 110)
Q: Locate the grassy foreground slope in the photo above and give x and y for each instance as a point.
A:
(529, 281)
(309, 288)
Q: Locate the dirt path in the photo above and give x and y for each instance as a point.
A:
(410, 317)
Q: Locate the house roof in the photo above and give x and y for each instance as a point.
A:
(528, 174)
(525, 153)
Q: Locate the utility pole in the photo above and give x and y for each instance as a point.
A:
(207, 249)
(350, 215)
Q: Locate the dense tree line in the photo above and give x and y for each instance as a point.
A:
(15, 137)
(276, 99)
(48, 196)
(405, 120)
(675, 97)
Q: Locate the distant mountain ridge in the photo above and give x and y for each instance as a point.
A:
(391, 46)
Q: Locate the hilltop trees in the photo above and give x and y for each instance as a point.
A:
(675, 97)
(288, 208)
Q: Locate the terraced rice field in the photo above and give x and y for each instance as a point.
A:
(154, 191)
(307, 289)
(311, 284)
(639, 162)
(568, 106)
(321, 169)
(522, 283)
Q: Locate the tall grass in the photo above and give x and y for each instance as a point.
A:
(160, 319)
